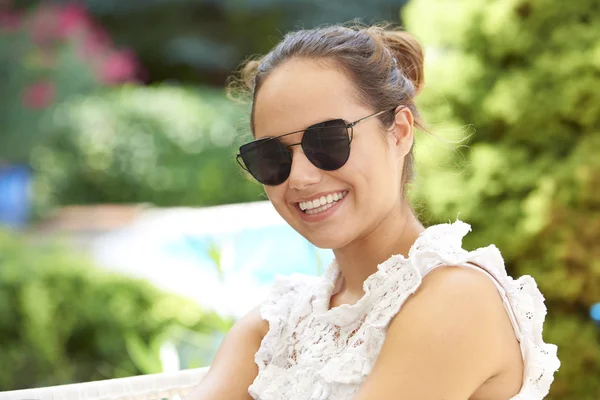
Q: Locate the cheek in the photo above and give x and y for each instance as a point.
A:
(276, 195)
(371, 162)
(375, 173)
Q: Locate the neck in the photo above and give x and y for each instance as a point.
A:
(395, 234)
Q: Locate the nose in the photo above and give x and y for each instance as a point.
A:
(303, 173)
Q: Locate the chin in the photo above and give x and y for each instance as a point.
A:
(325, 244)
(326, 241)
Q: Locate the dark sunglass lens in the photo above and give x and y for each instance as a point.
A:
(327, 145)
(267, 160)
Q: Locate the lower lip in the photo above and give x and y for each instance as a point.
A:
(323, 214)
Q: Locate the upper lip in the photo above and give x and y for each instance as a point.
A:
(317, 196)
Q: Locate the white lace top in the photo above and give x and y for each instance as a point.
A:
(313, 353)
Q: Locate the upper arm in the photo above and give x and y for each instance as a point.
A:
(233, 369)
(443, 344)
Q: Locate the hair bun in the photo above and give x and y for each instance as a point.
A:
(408, 54)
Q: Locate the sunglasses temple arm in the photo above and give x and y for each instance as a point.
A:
(237, 158)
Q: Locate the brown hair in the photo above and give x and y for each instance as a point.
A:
(386, 66)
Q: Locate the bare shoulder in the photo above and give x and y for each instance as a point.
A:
(235, 358)
(253, 323)
(455, 283)
(466, 303)
(447, 340)
(456, 304)
(477, 302)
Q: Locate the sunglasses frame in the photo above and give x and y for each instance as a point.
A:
(347, 125)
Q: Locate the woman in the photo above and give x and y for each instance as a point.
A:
(403, 312)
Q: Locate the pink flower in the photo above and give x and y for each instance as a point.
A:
(118, 66)
(39, 95)
(72, 18)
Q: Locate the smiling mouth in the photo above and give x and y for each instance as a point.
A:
(322, 203)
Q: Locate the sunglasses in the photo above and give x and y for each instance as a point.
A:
(326, 145)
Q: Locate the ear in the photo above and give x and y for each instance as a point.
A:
(402, 130)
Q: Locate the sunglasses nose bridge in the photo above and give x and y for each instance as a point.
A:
(303, 172)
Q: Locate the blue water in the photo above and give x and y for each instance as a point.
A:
(264, 252)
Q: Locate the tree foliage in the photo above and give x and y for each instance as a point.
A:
(526, 76)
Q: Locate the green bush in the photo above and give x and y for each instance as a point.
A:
(524, 75)
(168, 145)
(62, 320)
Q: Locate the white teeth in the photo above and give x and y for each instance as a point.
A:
(322, 203)
(319, 209)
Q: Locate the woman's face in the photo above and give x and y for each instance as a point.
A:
(301, 93)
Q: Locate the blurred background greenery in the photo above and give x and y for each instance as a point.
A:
(105, 101)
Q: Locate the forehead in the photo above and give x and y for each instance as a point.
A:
(300, 93)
